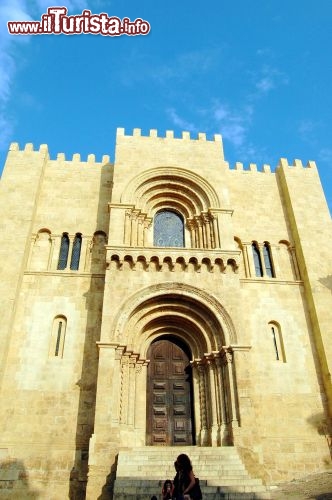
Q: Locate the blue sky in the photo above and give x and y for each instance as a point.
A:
(259, 73)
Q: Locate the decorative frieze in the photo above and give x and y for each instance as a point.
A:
(175, 260)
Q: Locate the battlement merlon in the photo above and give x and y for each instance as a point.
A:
(135, 150)
(283, 163)
(137, 132)
(29, 150)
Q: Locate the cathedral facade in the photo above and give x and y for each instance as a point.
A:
(163, 300)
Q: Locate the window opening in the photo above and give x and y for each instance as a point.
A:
(168, 229)
(268, 260)
(63, 254)
(257, 260)
(58, 339)
(275, 343)
(76, 253)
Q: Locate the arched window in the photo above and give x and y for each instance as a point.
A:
(63, 255)
(58, 336)
(268, 260)
(76, 253)
(277, 342)
(168, 229)
(257, 260)
(41, 250)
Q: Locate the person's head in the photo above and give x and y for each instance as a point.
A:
(183, 462)
(168, 485)
(154, 497)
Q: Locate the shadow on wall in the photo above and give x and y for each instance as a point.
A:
(327, 282)
(14, 482)
(88, 381)
(108, 488)
(323, 427)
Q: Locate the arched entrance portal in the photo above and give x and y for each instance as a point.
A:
(196, 323)
(169, 394)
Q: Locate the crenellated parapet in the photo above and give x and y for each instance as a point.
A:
(169, 135)
(283, 163)
(185, 136)
(61, 157)
(267, 169)
(174, 260)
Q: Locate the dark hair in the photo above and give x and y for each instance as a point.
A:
(183, 462)
(154, 497)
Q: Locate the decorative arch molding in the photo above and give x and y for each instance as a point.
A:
(145, 189)
(179, 309)
(174, 189)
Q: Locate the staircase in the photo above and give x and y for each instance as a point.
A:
(142, 471)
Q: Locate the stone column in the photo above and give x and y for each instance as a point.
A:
(134, 228)
(191, 227)
(228, 360)
(197, 411)
(250, 258)
(246, 260)
(204, 437)
(146, 225)
(70, 251)
(200, 231)
(215, 230)
(132, 388)
(140, 402)
(50, 260)
(206, 220)
(215, 430)
(127, 230)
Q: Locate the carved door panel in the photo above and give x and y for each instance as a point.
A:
(168, 399)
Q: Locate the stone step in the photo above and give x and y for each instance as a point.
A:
(217, 495)
(166, 467)
(122, 482)
(146, 490)
(142, 471)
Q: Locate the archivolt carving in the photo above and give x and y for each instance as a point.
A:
(173, 308)
(173, 184)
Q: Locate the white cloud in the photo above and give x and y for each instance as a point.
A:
(265, 84)
(185, 66)
(267, 79)
(233, 123)
(325, 155)
(180, 122)
(18, 10)
(9, 10)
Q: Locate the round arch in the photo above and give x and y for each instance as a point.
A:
(176, 309)
(190, 192)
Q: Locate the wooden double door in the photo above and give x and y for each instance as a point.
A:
(169, 395)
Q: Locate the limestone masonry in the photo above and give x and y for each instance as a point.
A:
(166, 301)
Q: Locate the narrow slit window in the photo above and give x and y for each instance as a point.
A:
(268, 260)
(275, 343)
(76, 253)
(63, 254)
(278, 348)
(58, 337)
(257, 260)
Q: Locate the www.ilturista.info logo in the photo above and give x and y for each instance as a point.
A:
(57, 22)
